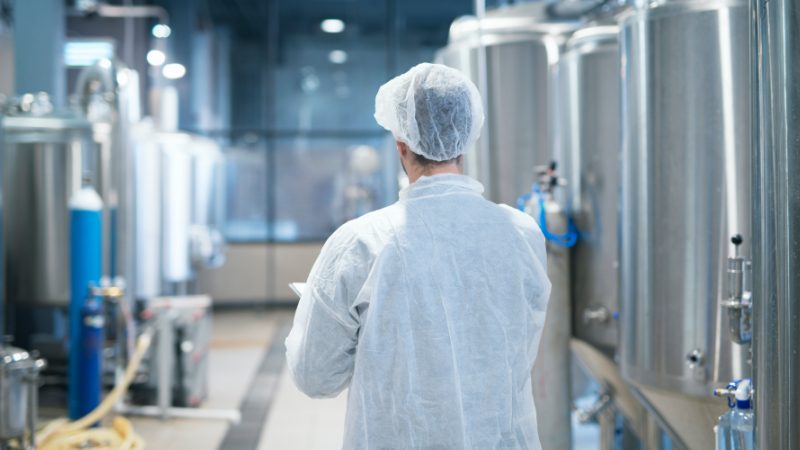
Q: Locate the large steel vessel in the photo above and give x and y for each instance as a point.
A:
(512, 55)
(176, 185)
(45, 159)
(519, 85)
(685, 193)
(776, 248)
(590, 82)
(590, 73)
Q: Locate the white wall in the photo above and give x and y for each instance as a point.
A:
(259, 272)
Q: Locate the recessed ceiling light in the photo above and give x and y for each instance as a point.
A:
(337, 56)
(173, 71)
(156, 57)
(332, 25)
(161, 31)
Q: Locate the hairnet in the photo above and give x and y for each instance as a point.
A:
(433, 109)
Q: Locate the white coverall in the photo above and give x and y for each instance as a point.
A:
(431, 311)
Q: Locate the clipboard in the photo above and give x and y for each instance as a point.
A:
(298, 288)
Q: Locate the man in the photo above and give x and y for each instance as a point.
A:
(431, 309)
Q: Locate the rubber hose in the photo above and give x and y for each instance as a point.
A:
(63, 435)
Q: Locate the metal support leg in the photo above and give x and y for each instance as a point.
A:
(607, 420)
(165, 363)
(654, 436)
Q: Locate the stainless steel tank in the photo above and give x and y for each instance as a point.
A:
(685, 192)
(462, 53)
(177, 180)
(44, 160)
(776, 247)
(590, 76)
(512, 55)
(522, 50)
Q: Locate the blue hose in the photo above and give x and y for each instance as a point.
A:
(566, 240)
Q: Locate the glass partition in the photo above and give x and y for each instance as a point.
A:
(294, 188)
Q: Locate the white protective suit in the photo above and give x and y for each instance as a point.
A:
(431, 311)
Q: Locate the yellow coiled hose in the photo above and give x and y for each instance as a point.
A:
(62, 434)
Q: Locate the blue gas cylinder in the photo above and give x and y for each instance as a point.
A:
(90, 356)
(86, 209)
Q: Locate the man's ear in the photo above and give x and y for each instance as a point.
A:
(402, 148)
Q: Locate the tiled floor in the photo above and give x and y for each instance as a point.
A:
(294, 422)
(298, 422)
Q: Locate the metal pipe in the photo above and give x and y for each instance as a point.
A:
(776, 223)
(232, 416)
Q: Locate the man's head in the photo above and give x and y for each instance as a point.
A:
(435, 114)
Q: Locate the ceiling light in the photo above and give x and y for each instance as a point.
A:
(161, 31)
(332, 25)
(309, 83)
(337, 56)
(173, 71)
(156, 57)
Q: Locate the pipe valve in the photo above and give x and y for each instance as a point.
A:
(591, 413)
(739, 297)
(596, 314)
(109, 290)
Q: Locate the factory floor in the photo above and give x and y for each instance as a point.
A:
(248, 372)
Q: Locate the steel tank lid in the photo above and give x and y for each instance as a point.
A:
(52, 121)
(51, 128)
(35, 112)
(506, 21)
(650, 8)
(594, 34)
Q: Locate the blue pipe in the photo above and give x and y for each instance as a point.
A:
(85, 269)
(568, 239)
